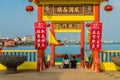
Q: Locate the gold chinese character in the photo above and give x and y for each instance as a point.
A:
(59, 9)
(56, 26)
(65, 10)
(71, 9)
(89, 10)
(70, 26)
(47, 10)
(77, 25)
(64, 26)
(76, 9)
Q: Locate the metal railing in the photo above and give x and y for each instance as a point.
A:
(32, 54)
(106, 54)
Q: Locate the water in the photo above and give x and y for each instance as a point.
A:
(67, 49)
(112, 46)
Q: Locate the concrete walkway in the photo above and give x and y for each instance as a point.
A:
(61, 74)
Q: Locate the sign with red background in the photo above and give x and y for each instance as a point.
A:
(96, 36)
(40, 35)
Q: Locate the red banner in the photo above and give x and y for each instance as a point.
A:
(40, 35)
(96, 36)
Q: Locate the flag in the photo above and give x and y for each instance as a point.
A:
(52, 39)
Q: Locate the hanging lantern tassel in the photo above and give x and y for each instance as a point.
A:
(108, 8)
(108, 14)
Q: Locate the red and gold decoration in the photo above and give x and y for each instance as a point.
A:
(108, 8)
(75, 11)
(29, 8)
(40, 35)
(88, 25)
(96, 36)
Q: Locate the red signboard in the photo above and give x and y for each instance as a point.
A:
(40, 35)
(96, 36)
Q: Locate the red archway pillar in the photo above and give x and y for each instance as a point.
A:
(96, 52)
(40, 51)
(53, 48)
(82, 45)
(0, 51)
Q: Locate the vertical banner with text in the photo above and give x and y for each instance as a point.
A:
(96, 36)
(40, 35)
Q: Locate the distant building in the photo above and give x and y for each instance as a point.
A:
(9, 43)
(28, 39)
(1, 42)
(1, 37)
(17, 39)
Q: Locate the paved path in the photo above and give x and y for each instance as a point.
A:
(61, 74)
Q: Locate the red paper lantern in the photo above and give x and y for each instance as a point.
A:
(47, 25)
(87, 25)
(29, 8)
(108, 8)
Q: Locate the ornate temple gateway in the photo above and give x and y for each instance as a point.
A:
(69, 16)
(66, 16)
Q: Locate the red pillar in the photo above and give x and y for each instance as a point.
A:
(39, 60)
(0, 51)
(82, 45)
(53, 48)
(40, 51)
(96, 52)
(40, 13)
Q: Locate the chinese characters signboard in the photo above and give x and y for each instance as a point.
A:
(40, 36)
(67, 27)
(82, 9)
(96, 36)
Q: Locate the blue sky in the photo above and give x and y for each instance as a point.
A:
(15, 21)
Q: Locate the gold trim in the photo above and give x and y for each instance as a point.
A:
(68, 18)
(38, 2)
